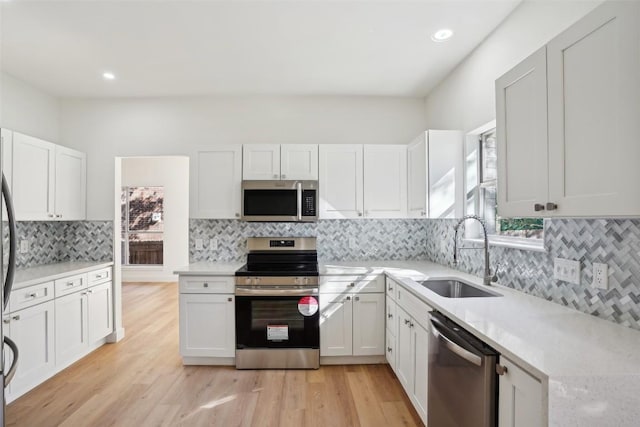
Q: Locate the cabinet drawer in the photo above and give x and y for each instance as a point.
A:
(414, 307)
(361, 283)
(100, 276)
(70, 284)
(31, 295)
(207, 285)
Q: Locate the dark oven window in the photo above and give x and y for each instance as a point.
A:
(275, 322)
(270, 202)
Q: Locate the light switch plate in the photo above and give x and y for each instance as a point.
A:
(213, 244)
(567, 270)
(24, 246)
(199, 244)
(353, 244)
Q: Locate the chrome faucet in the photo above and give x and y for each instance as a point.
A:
(488, 277)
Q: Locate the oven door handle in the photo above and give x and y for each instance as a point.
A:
(455, 348)
(243, 291)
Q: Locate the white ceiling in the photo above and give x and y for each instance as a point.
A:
(162, 48)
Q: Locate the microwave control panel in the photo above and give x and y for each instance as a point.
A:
(308, 202)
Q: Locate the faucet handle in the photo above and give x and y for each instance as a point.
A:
(494, 276)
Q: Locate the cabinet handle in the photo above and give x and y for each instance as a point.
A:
(407, 321)
(237, 215)
(357, 298)
(275, 176)
(359, 213)
(6, 320)
(50, 215)
(551, 206)
(389, 349)
(390, 288)
(538, 207)
(348, 298)
(206, 285)
(501, 370)
(59, 216)
(33, 295)
(390, 316)
(411, 324)
(283, 176)
(69, 284)
(352, 284)
(229, 299)
(16, 317)
(83, 293)
(90, 291)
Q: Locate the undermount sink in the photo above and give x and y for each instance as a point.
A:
(450, 288)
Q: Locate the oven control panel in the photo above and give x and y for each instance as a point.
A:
(282, 243)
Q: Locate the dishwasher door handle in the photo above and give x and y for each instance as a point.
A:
(455, 348)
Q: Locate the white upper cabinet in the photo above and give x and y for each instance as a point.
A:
(299, 161)
(48, 180)
(341, 181)
(521, 127)
(385, 181)
(216, 180)
(435, 174)
(594, 106)
(274, 161)
(33, 178)
(583, 91)
(70, 184)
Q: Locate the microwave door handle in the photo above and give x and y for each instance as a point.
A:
(299, 185)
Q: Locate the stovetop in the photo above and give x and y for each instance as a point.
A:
(278, 270)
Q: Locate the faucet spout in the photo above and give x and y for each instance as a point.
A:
(486, 280)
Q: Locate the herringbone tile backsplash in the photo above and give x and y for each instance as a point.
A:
(614, 242)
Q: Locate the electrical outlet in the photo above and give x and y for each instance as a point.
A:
(213, 244)
(567, 270)
(353, 243)
(199, 244)
(24, 246)
(600, 275)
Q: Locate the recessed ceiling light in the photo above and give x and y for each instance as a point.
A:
(442, 35)
(107, 75)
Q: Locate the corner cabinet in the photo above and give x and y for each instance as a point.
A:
(275, 161)
(216, 181)
(582, 90)
(435, 175)
(351, 316)
(207, 320)
(48, 181)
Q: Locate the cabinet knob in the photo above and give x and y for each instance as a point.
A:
(357, 298)
(283, 176)
(33, 295)
(50, 215)
(206, 285)
(348, 298)
(59, 216)
(538, 207)
(359, 213)
(230, 299)
(237, 215)
(551, 206)
(390, 316)
(275, 176)
(423, 213)
(501, 370)
(352, 284)
(6, 320)
(16, 317)
(389, 349)
(406, 321)
(411, 324)
(390, 288)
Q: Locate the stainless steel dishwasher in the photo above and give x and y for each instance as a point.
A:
(461, 378)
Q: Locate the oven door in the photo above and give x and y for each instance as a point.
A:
(277, 321)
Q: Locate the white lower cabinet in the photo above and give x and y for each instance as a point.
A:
(72, 335)
(207, 317)
(207, 325)
(352, 324)
(520, 398)
(32, 331)
(100, 311)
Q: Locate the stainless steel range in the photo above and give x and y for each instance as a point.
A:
(277, 305)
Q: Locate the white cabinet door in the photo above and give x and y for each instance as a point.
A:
(32, 329)
(100, 311)
(391, 350)
(207, 325)
(33, 178)
(417, 168)
(404, 357)
(261, 161)
(445, 168)
(594, 105)
(385, 181)
(216, 181)
(341, 181)
(70, 184)
(336, 325)
(299, 161)
(368, 324)
(420, 350)
(520, 398)
(521, 127)
(71, 332)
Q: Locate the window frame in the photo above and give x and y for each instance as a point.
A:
(125, 231)
(471, 231)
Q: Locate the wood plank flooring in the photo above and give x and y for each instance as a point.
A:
(141, 381)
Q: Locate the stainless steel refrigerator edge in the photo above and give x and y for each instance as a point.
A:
(8, 283)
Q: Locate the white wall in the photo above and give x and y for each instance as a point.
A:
(172, 173)
(106, 128)
(466, 99)
(28, 110)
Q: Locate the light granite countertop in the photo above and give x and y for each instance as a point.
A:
(589, 367)
(44, 273)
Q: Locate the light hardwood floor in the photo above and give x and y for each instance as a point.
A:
(140, 381)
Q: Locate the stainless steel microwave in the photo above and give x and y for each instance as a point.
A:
(288, 201)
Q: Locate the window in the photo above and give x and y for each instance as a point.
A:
(142, 225)
(481, 192)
